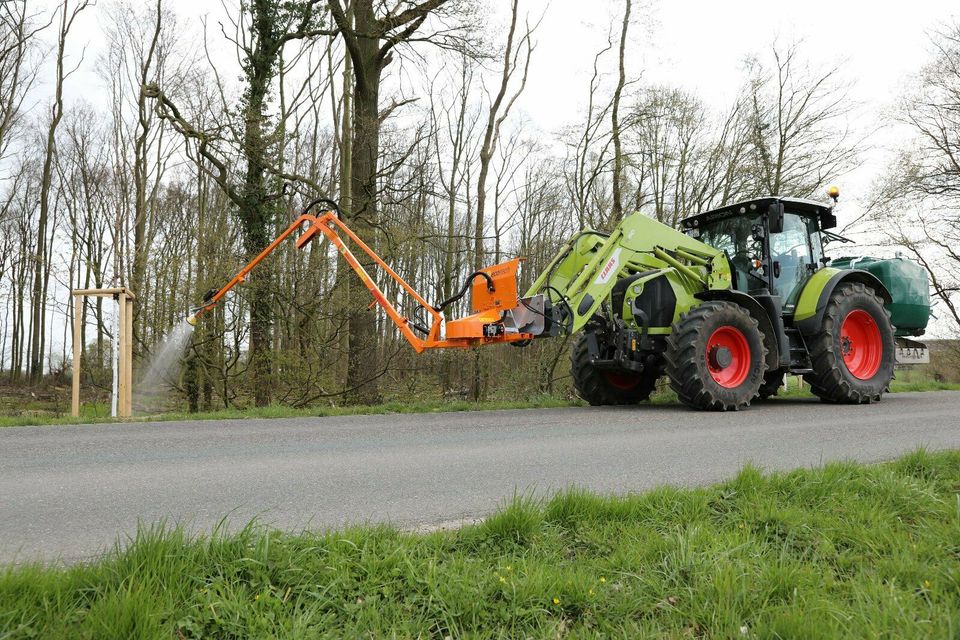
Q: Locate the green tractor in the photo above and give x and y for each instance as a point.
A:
(726, 307)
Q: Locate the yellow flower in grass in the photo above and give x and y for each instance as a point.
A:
(509, 567)
(602, 579)
(591, 592)
(556, 601)
(502, 579)
(926, 584)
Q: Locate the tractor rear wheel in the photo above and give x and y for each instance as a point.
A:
(715, 357)
(599, 387)
(854, 352)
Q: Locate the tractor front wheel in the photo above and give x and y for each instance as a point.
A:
(599, 387)
(854, 352)
(715, 357)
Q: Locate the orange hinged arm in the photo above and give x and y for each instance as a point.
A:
(211, 302)
(327, 224)
(463, 332)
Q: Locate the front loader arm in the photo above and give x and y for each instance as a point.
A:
(585, 270)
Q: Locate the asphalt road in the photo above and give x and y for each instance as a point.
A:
(67, 493)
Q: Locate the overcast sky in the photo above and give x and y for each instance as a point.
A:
(701, 45)
(697, 44)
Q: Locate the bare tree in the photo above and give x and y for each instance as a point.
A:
(800, 131)
(41, 272)
(587, 155)
(376, 30)
(917, 201)
(267, 27)
(18, 70)
(615, 132)
(143, 46)
(515, 54)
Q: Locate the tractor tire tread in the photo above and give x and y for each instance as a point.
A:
(683, 366)
(828, 380)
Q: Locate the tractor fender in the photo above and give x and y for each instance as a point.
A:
(812, 303)
(757, 312)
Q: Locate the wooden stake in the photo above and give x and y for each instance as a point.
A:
(128, 358)
(77, 350)
(122, 353)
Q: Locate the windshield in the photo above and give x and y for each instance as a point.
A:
(734, 236)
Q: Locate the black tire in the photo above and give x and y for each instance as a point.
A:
(832, 379)
(602, 388)
(693, 366)
(772, 382)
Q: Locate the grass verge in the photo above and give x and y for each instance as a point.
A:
(93, 414)
(279, 411)
(844, 551)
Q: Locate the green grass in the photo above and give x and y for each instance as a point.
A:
(91, 414)
(279, 411)
(907, 384)
(844, 551)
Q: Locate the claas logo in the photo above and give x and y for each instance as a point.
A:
(609, 267)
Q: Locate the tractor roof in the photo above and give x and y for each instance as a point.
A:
(800, 206)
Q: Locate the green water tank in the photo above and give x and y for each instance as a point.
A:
(908, 286)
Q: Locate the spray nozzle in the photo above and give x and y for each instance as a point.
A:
(208, 301)
(194, 316)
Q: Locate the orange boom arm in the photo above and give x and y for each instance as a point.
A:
(498, 314)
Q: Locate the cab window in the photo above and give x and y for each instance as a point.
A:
(734, 236)
(791, 249)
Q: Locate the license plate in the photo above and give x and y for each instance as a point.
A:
(913, 355)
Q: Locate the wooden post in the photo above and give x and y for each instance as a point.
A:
(77, 351)
(128, 357)
(121, 353)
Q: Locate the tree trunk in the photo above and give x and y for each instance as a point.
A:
(617, 213)
(41, 270)
(344, 276)
(140, 172)
(363, 360)
(255, 210)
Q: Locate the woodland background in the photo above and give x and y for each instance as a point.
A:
(405, 113)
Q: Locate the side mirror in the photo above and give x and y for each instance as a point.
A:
(775, 217)
(828, 220)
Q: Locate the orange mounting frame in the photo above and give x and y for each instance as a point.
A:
(488, 306)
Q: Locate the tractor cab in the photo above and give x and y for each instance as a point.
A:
(771, 243)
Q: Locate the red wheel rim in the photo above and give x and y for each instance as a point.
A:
(861, 344)
(728, 357)
(622, 381)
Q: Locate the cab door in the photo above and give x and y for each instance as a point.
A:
(794, 257)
